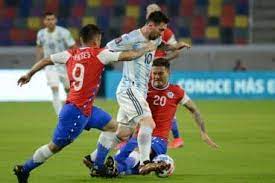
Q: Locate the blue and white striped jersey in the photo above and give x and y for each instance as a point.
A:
(137, 72)
(53, 42)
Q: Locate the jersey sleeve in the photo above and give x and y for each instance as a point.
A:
(172, 40)
(184, 99)
(61, 57)
(68, 38)
(106, 56)
(122, 43)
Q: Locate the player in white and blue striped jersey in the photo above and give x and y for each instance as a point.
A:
(132, 90)
(53, 39)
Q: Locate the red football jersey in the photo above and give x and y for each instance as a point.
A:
(84, 69)
(167, 37)
(163, 104)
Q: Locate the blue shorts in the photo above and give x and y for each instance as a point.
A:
(72, 122)
(159, 146)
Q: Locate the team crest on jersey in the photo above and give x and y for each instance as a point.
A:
(170, 94)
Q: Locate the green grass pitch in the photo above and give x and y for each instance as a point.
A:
(245, 131)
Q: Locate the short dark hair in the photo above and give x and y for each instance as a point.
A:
(158, 17)
(48, 13)
(88, 32)
(161, 62)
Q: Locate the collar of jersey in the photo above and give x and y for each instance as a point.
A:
(164, 88)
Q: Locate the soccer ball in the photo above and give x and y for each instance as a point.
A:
(167, 159)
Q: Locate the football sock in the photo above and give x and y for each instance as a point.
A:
(126, 150)
(175, 129)
(132, 160)
(57, 104)
(144, 143)
(129, 163)
(39, 157)
(105, 143)
(93, 155)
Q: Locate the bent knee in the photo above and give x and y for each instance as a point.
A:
(111, 126)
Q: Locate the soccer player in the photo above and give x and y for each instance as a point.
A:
(163, 99)
(53, 39)
(132, 90)
(84, 68)
(169, 38)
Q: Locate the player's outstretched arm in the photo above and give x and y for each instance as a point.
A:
(198, 119)
(172, 55)
(133, 54)
(178, 46)
(35, 68)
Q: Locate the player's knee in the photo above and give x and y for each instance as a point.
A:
(54, 88)
(111, 126)
(148, 121)
(123, 134)
(54, 148)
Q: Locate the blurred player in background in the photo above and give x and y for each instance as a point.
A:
(84, 68)
(169, 38)
(163, 99)
(53, 39)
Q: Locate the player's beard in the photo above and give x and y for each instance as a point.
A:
(158, 84)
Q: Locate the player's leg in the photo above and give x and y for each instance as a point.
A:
(71, 124)
(101, 120)
(53, 82)
(177, 140)
(144, 138)
(123, 154)
(137, 111)
(128, 159)
(128, 166)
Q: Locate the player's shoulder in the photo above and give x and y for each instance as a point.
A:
(133, 35)
(167, 34)
(168, 31)
(61, 29)
(176, 88)
(97, 51)
(41, 31)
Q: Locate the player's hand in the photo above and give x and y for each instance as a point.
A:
(181, 45)
(208, 140)
(23, 80)
(150, 47)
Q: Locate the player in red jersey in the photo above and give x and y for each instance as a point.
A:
(169, 38)
(163, 99)
(84, 68)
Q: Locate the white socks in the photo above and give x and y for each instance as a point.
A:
(57, 104)
(42, 154)
(135, 157)
(106, 139)
(144, 143)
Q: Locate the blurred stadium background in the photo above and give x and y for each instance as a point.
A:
(223, 33)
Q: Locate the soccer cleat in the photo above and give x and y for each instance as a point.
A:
(149, 167)
(88, 162)
(176, 143)
(22, 176)
(110, 168)
(94, 172)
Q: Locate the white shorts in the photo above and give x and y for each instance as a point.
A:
(132, 107)
(56, 74)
